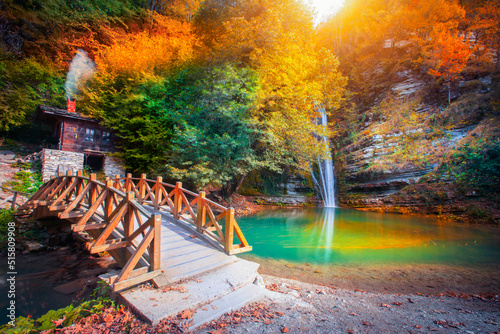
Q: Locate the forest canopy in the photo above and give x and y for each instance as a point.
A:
(211, 91)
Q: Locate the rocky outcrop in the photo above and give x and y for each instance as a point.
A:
(293, 193)
(399, 143)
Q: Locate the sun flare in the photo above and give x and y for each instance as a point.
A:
(325, 8)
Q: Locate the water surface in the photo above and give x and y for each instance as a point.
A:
(344, 236)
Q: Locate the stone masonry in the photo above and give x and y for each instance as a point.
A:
(113, 166)
(55, 161)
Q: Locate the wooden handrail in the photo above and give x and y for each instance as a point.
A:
(188, 206)
(113, 217)
(13, 198)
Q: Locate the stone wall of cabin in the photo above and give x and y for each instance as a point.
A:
(113, 166)
(55, 161)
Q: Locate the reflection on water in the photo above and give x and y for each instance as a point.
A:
(334, 235)
(326, 237)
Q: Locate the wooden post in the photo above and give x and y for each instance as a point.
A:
(142, 188)
(93, 191)
(128, 183)
(158, 194)
(116, 184)
(60, 174)
(155, 247)
(79, 187)
(129, 216)
(229, 230)
(177, 199)
(14, 197)
(201, 212)
(69, 172)
(108, 202)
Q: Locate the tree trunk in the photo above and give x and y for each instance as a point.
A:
(230, 188)
(449, 93)
(497, 64)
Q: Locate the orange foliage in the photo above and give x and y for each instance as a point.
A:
(165, 44)
(449, 57)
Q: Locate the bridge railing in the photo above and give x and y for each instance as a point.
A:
(210, 218)
(14, 199)
(115, 219)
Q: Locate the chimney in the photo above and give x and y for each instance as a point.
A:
(71, 104)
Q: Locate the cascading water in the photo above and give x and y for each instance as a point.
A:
(326, 186)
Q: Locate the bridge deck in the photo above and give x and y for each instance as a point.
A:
(185, 252)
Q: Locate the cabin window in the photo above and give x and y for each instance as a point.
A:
(106, 137)
(90, 135)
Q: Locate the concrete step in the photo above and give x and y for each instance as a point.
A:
(187, 270)
(228, 303)
(152, 304)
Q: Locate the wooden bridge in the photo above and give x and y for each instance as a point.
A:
(154, 230)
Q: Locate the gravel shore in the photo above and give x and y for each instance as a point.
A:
(298, 307)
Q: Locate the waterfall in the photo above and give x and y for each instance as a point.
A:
(326, 186)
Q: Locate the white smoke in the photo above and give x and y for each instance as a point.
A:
(81, 69)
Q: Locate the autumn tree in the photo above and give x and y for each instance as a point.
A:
(375, 40)
(485, 29)
(277, 40)
(128, 92)
(448, 57)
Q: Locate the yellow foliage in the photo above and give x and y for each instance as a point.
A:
(295, 76)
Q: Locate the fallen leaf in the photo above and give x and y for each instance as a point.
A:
(59, 322)
(385, 305)
(214, 307)
(353, 314)
(205, 309)
(411, 301)
(186, 314)
(285, 330)
(193, 236)
(396, 303)
(187, 324)
(108, 317)
(366, 323)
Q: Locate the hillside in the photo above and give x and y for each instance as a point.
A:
(221, 94)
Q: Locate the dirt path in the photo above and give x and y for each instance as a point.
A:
(298, 307)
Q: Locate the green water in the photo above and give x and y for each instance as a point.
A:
(346, 236)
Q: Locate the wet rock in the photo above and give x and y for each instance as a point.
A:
(76, 285)
(33, 246)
